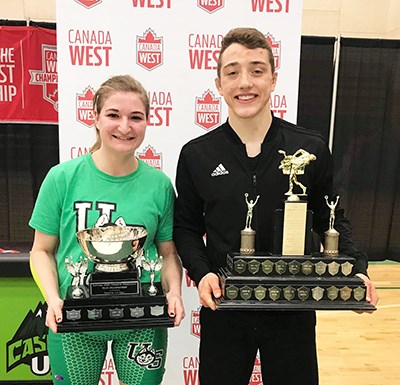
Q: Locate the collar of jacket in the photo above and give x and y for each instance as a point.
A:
(233, 136)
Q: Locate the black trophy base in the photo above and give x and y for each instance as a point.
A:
(116, 312)
(276, 282)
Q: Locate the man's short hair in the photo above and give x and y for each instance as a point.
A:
(250, 38)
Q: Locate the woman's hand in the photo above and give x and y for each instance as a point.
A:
(54, 313)
(175, 307)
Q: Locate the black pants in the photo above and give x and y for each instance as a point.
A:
(230, 340)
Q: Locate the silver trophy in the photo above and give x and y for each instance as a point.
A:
(112, 248)
(112, 295)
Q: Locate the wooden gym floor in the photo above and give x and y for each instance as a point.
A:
(363, 349)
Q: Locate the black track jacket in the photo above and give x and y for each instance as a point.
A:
(213, 174)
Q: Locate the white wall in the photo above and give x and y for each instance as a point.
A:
(350, 18)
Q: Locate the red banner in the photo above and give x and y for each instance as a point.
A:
(28, 75)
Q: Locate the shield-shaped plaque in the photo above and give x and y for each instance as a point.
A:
(333, 268)
(347, 267)
(332, 292)
(116, 313)
(317, 293)
(156, 310)
(359, 293)
(307, 268)
(137, 312)
(73, 315)
(289, 292)
(345, 293)
(320, 268)
(294, 267)
(267, 267)
(95, 314)
(231, 292)
(280, 267)
(253, 266)
(245, 293)
(274, 293)
(240, 266)
(260, 292)
(303, 293)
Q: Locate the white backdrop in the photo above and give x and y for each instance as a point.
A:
(171, 47)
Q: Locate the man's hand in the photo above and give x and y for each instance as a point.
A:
(209, 288)
(372, 295)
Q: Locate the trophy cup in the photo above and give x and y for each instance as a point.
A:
(293, 276)
(112, 295)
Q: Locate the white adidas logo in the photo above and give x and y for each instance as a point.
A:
(220, 170)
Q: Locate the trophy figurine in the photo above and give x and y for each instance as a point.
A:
(294, 165)
(78, 272)
(248, 234)
(295, 214)
(112, 295)
(331, 244)
(152, 266)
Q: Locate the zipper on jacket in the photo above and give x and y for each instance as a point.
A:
(254, 180)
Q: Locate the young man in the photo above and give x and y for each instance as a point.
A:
(214, 173)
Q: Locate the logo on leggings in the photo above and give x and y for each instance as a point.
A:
(144, 354)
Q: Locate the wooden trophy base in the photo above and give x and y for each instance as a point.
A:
(92, 313)
(276, 282)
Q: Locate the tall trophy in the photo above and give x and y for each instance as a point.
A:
(112, 295)
(292, 276)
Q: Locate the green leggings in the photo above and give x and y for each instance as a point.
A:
(78, 358)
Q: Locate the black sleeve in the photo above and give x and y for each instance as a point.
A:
(189, 227)
(323, 185)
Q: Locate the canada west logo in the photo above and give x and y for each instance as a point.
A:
(211, 6)
(151, 157)
(149, 50)
(84, 107)
(47, 76)
(276, 49)
(88, 3)
(208, 111)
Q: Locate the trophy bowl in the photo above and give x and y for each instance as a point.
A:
(111, 248)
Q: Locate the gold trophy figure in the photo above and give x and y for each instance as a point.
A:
(248, 234)
(295, 209)
(331, 245)
(294, 165)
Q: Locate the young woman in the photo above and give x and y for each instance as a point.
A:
(110, 182)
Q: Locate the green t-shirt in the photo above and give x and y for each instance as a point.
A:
(75, 194)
